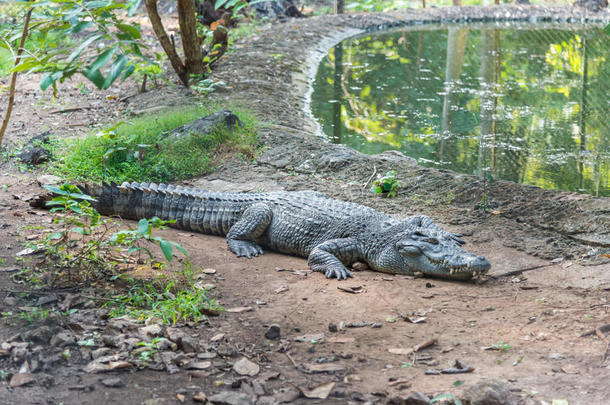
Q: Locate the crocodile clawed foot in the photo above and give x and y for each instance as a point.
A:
(243, 248)
(338, 273)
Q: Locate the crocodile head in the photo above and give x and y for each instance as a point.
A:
(430, 251)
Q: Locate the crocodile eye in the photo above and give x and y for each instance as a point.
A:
(433, 241)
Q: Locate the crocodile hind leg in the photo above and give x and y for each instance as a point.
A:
(252, 224)
(330, 257)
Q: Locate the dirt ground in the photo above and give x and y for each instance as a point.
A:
(549, 284)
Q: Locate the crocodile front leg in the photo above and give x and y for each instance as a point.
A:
(252, 224)
(330, 257)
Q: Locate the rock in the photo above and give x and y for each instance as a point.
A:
(492, 392)
(19, 354)
(360, 266)
(188, 344)
(48, 179)
(114, 382)
(110, 341)
(62, 339)
(206, 125)
(592, 5)
(164, 344)
(151, 331)
(102, 351)
(245, 367)
(41, 335)
(266, 400)
(35, 155)
(332, 327)
(556, 356)
(416, 398)
(231, 398)
(273, 332)
(278, 9)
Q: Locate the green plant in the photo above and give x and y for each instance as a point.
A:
(34, 315)
(83, 245)
(501, 346)
(451, 397)
(151, 349)
(387, 185)
(206, 86)
(92, 36)
(171, 306)
(139, 149)
(131, 238)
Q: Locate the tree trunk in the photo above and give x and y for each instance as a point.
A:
(11, 92)
(193, 56)
(338, 6)
(168, 46)
(457, 2)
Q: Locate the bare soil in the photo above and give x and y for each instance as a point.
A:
(549, 284)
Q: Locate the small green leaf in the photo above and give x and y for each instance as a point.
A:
(49, 78)
(115, 71)
(179, 247)
(219, 3)
(96, 78)
(607, 29)
(76, 53)
(133, 32)
(79, 229)
(457, 383)
(102, 59)
(143, 226)
(55, 189)
(79, 27)
(167, 250)
(56, 235)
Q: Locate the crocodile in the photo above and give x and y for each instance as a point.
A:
(331, 234)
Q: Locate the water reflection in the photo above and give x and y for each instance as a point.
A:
(521, 104)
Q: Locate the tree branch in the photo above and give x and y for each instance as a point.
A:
(11, 97)
(168, 47)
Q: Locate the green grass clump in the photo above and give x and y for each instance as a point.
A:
(137, 149)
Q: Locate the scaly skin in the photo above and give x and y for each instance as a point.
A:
(331, 234)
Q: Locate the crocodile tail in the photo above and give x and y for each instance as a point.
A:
(143, 200)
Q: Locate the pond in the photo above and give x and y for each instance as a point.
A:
(526, 103)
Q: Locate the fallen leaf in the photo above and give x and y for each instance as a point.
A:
(324, 367)
(401, 350)
(321, 391)
(180, 397)
(97, 367)
(21, 379)
(217, 337)
(238, 310)
(209, 271)
(342, 340)
(400, 381)
(415, 319)
(200, 397)
(198, 365)
(310, 337)
(352, 290)
(281, 289)
(570, 369)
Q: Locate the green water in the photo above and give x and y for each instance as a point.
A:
(525, 103)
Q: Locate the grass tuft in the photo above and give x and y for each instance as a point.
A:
(137, 150)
